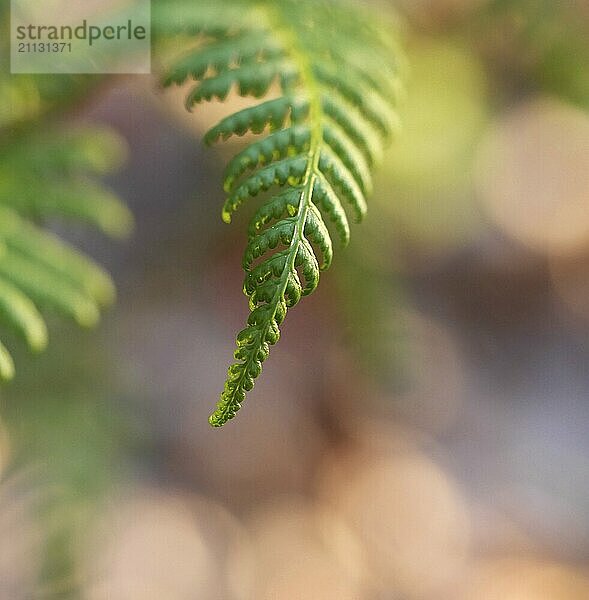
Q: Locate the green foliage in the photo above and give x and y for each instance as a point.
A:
(338, 71)
(48, 175)
(544, 45)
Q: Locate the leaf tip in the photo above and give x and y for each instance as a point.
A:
(6, 365)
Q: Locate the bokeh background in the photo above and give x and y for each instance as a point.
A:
(419, 433)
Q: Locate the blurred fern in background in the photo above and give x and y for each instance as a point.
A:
(48, 173)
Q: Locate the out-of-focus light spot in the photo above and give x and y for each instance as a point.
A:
(425, 184)
(408, 514)
(19, 99)
(533, 176)
(21, 538)
(302, 552)
(526, 579)
(570, 277)
(153, 545)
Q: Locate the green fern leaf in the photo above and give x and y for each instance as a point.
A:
(338, 69)
(47, 175)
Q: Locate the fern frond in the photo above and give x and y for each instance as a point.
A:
(43, 175)
(338, 71)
